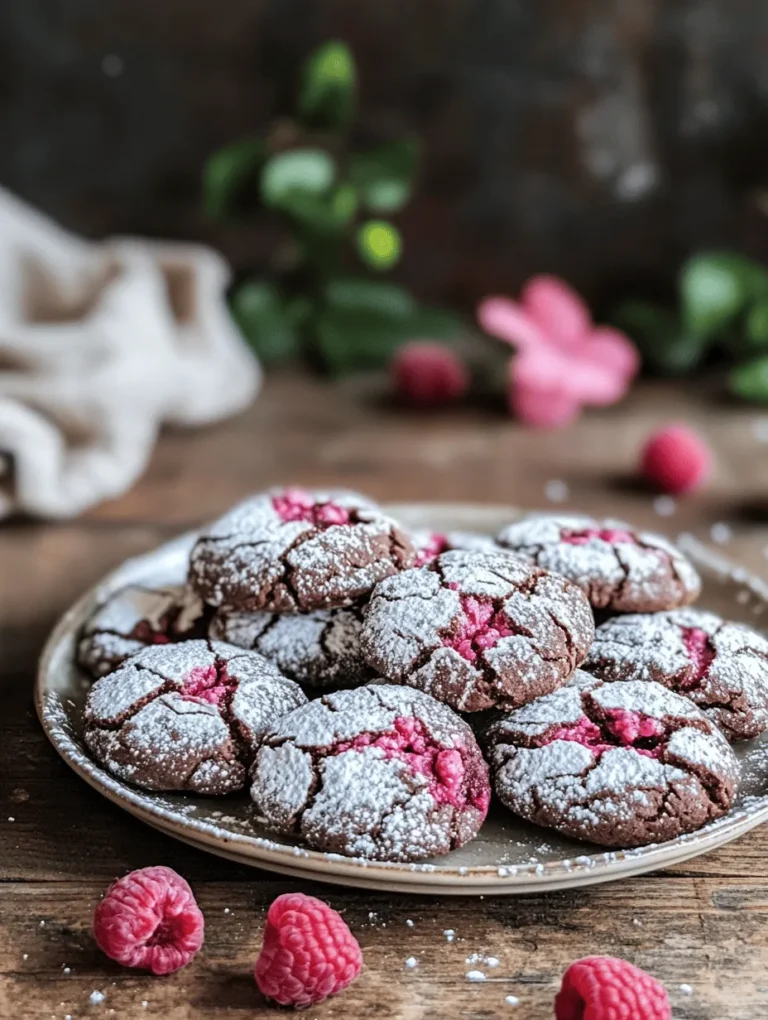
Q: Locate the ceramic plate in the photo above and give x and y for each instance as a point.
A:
(509, 856)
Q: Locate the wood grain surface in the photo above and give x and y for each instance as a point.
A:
(702, 924)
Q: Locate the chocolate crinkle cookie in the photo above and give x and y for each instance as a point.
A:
(385, 773)
(290, 550)
(622, 765)
(134, 617)
(477, 630)
(430, 544)
(619, 568)
(319, 649)
(186, 716)
(721, 666)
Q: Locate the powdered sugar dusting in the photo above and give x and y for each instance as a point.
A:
(273, 552)
(618, 764)
(722, 667)
(320, 649)
(186, 716)
(134, 617)
(618, 567)
(380, 772)
(477, 630)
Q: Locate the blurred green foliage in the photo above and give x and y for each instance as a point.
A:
(308, 172)
(722, 313)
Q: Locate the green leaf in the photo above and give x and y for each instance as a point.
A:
(660, 337)
(363, 338)
(379, 244)
(328, 87)
(227, 173)
(750, 381)
(260, 314)
(351, 294)
(756, 326)
(307, 172)
(714, 288)
(436, 324)
(385, 176)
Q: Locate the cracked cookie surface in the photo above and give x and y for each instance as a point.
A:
(622, 764)
(477, 630)
(320, 649)
(186, 716)
(290, 550)
(134, 617)
(618, 567)
(381, 772)
(721, 666)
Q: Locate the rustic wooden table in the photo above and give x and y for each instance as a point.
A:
(700, 927)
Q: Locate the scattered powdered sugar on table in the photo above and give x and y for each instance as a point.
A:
(411, 962)
(512, 1000)
(686, 989)
(721, 533)
(664, 506)
(556, 491)
(475, 975)
(96, 997)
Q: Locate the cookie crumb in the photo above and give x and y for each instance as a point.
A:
(411, 962)
(66, 970)
(25, 956)
(144, 1003)
(96, 997)
(409, 922)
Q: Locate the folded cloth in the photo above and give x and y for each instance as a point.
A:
(100, 345)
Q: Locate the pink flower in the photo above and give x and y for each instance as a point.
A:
(563, 361)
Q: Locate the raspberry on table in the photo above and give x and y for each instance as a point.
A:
(676, 459)
(429, 374)
(606, 988)
(308, 954)
(149, 919)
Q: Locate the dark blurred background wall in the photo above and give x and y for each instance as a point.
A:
(602, 140)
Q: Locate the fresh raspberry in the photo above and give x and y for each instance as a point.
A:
(605, 988)
(428, 374)
(675, 459)
(149, 919)
(308, 954)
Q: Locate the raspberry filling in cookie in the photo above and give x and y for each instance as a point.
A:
(620, 728)
(148, 635)
(586, 535)
(701, 653)
(435, 545)
(452, 778)
(211, 684)
(298, 505)
(481, 626)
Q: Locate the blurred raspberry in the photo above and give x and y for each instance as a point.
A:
(308, 954)
(676, 460)
(149, 919)
(428, 374)
(605, 988)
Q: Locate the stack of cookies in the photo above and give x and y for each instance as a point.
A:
(371, 686)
